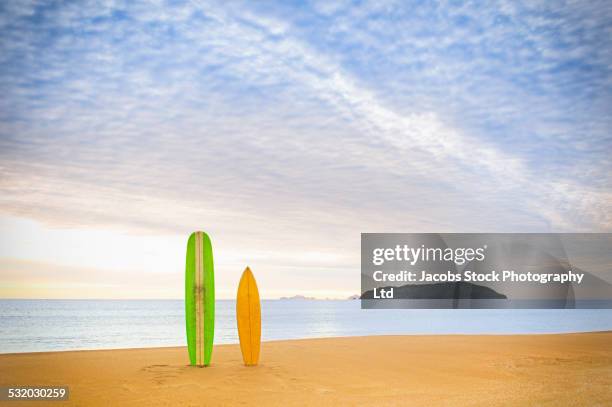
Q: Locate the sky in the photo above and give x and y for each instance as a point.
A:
(286, 129)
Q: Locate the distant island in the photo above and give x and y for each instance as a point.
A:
(459, 290)
(303, 297)
(297, 297)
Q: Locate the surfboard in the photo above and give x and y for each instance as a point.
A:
(248, 317)
(199, 299)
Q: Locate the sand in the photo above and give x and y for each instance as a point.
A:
(452, 370)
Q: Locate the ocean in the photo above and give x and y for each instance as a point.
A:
(54, 325)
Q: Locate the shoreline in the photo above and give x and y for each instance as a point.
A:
(310, 339)
(458, 370)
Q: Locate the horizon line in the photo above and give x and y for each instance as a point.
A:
(176, 299)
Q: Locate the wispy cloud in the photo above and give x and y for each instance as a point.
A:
(286, 127)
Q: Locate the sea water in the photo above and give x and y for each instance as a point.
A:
(52, 325)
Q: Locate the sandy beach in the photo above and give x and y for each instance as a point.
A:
(454, 370)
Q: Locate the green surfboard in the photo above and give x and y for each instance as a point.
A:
(199, 299)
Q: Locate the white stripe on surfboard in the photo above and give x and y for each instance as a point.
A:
(198, 299)
(197, 296)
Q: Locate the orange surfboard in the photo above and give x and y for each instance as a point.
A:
(248, 316)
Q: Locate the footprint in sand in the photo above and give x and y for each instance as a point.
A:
(161, 373)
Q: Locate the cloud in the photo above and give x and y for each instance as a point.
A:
(28, 279)
(302, 127)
